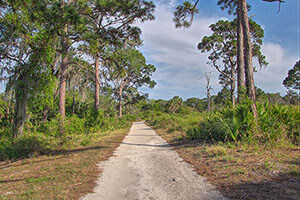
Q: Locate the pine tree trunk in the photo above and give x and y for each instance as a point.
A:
(120, 103)
(232, 89)
(248, 58)
(208, 103)
(63, 78)
(74, 101)
(97, 84)
(62, 84)
(240, 54)
(208, 89)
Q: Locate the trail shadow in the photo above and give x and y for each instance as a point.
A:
(12, 181)
(12, 164)
(17, 180)
(49, 152)
(185, 142)
(148, 145)
(142, 135)
(71, 151)
(147, 129)
(283, 186)
(33, 179)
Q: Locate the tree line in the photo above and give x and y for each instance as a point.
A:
(49, 48)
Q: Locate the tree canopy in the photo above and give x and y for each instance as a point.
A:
(292, 81)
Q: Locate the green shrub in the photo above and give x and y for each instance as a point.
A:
(278, 122)
(22, 147)
(227, 125)
(74, 125)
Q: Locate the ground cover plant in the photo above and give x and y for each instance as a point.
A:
(242, 157)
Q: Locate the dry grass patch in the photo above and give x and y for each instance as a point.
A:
(63, 174)
(244, 171)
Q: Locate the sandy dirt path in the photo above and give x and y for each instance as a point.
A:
(145, 167)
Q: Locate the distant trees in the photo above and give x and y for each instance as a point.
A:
(196, 104)
(128, 71)
(292, 81)
(174, 104)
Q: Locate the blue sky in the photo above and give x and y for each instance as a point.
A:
(180, 66)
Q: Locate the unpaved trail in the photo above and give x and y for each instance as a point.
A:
(145, 167)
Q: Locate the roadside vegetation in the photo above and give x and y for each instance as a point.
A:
(60, 173)
(242, 157)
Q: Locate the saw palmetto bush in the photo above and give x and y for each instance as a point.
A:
(279, 122)
(274, 123)
(226, 125)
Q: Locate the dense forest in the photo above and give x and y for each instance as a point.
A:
(73, 69)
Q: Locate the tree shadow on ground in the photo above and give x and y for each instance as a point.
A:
(283, 186)
(280, 186)
(48, 152)
(147, 145)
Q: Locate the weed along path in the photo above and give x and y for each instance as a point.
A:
(145, 167)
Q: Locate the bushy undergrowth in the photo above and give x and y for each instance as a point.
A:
(46, 137)
(174, 121)
(275, 123)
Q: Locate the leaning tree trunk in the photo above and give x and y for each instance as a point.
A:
(97, 84)
(248, 58)
(240, 54)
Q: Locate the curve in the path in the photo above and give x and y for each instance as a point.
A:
(145, 167)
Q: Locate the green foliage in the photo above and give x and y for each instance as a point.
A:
(40, 140)
(174, 104)
(278, 122)
(223, 98)
(22, 147)
(5, 116)
(275, 123)
(183, 12)
(196, 104)
(226, 125)
(222, 45)
(292, 81)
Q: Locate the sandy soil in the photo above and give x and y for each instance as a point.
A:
(145, 167)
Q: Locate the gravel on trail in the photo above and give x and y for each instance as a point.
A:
(145, 167)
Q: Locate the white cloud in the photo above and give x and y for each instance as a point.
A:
(174, 52)
(180, 64)
(270, 79)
